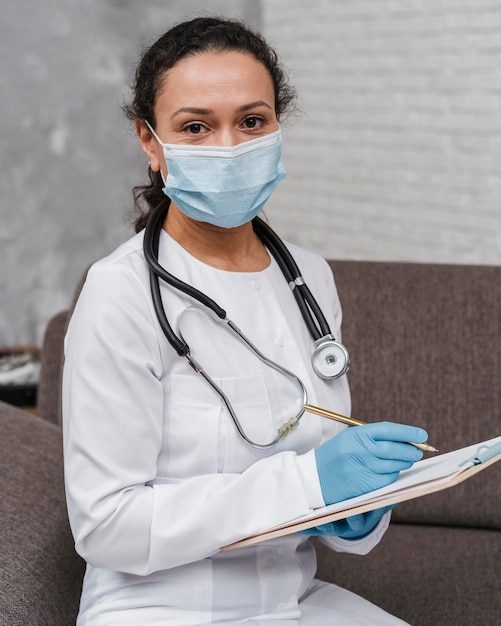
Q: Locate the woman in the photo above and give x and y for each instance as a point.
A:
(158, 477)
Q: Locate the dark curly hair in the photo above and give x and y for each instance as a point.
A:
(186, 39)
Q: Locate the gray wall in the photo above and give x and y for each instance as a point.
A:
(68, 159)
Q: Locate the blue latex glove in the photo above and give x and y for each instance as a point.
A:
(354, 527)
(363, 458)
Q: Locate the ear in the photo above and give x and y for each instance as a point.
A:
(150, 145)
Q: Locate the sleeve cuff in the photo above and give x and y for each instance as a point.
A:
(307, 467)
(359, 546)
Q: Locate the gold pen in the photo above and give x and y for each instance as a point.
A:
(351, 421)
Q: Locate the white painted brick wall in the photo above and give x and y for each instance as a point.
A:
(397, 154)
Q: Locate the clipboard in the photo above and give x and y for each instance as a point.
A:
(424, 477)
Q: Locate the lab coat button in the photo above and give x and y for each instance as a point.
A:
(280, 341)
(280, 550)
(255, 284)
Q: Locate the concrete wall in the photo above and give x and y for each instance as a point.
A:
(68, 160)
(398, 152)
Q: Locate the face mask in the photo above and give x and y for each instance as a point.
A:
(224, 186)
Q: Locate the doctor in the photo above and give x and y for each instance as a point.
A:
(157, 476)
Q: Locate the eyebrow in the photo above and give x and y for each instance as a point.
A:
(200, 111)
(253, 105)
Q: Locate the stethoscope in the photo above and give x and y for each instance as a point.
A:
(330, 358)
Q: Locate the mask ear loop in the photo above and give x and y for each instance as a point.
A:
(150, 128)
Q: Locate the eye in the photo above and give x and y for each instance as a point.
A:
(252, 122)
(195, 128)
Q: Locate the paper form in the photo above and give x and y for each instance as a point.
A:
(426, 476)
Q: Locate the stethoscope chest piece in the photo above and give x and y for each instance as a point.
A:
(330, 358)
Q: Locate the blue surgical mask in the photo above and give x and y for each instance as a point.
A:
(224, 186)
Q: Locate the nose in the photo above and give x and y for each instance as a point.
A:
(228, 137)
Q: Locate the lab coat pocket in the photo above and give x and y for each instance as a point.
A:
(251, 405)
(200, 433)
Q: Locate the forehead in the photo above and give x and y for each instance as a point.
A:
(215, 76)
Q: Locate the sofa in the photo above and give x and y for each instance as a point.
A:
(425, 346)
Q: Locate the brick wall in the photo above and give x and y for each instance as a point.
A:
(397, 154)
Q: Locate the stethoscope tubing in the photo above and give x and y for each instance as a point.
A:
(286, 427)
(290, 270)
(303, 296)
(277, 248)
(150, 248)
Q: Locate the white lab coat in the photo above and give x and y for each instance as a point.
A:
(157, 477)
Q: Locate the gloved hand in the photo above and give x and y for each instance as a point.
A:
(363, 458)
(354, 527)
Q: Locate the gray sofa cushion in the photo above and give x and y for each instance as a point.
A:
(427, 575)
(40, 573)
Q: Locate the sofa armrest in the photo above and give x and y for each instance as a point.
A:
(49, 387)
(40, 572)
